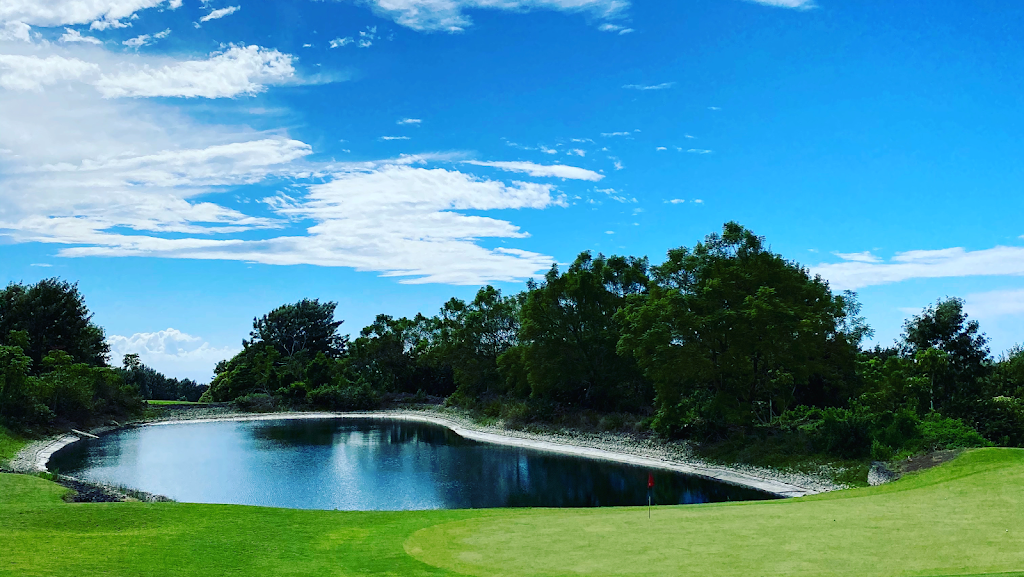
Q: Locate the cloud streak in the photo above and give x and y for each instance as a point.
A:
(541, 170)
(859, 271)
(450, 15)
(221, 13)
(662, 86)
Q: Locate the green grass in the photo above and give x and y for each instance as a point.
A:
(164, 403)
(963, 518)
(10, 444)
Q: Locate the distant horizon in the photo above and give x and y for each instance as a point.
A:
(193, 164)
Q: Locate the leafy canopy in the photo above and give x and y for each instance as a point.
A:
(732, 333)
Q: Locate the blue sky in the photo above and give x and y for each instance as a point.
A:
(195, 164)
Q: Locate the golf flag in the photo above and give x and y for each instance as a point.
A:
(650, 489)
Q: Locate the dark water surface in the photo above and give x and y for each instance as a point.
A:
(355, 464)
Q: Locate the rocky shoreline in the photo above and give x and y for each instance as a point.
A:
(619, 447)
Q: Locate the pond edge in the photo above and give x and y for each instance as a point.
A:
(35, 457)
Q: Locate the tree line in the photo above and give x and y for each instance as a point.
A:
(722, 339)
(53, 363)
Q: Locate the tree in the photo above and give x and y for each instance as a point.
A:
(17, 400)
(959, 365)
(307, 325)
(733, 334)
(392, 355)
(569, 335)
(53, 315)
(472, 336)
(1010, 373)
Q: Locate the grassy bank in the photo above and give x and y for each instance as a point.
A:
(962, 518)
(10, 444)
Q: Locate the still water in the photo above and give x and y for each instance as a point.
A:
(355, 464)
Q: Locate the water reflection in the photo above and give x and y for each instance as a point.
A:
(365, 465)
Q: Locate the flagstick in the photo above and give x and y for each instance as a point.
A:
(648, 505)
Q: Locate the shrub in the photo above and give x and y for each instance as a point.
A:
(256, 403)
(350, 397)
(844, 433)
(938, 432)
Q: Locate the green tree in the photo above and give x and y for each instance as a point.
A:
(18, 403)
(959, 367)
(53, 315)
(569, 335)
(1010, 373)
(307, 325)
(393, 355)
(472, 336)
(732, 333)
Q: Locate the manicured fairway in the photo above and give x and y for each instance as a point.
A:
(963, 518)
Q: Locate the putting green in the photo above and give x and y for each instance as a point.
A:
(963, 518)
(966, 517)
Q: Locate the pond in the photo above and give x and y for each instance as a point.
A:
(365, 464)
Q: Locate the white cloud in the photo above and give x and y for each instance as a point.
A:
(661, 148)
(146, 39)
(33, 72)
(609, 134)
(238, 70)
(662, 86)
(713, 108)
(72, 35)
(104, 24)
(137, 42)
(400, 220)
(576, 152)
(615, 195)
(796, 4)
(699, 151)
(865, 256)
(540, 170)
(49, 13)
(394, 138)
(609, 27)
(995, 304)
(951, 262)
(675, 201)
(222, 12)
(174, 4)
(15, 31)
(410, 121)
(449, 15)
(172, 352)
(339, 42)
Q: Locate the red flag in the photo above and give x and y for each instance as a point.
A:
(650, 480)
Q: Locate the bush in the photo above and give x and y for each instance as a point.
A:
(844, 433)
(256, 403)
(1002, 421)
(357, 397)
(938, 432)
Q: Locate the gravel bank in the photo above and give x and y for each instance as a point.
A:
(618, 447)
